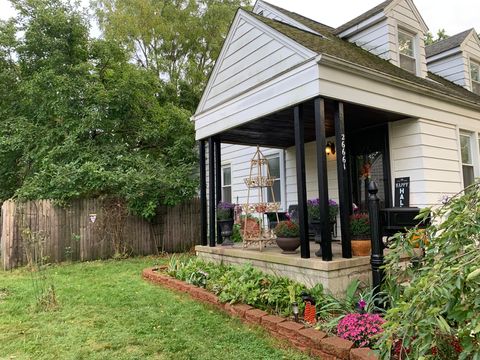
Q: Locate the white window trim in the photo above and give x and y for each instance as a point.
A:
(476, 62)
(281, 160)
(227, 165)
(416, 46)
(475, 151)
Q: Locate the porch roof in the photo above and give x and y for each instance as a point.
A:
(277, 130)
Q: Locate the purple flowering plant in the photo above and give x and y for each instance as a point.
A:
(225, 210)
(313, 206)
(361, 329)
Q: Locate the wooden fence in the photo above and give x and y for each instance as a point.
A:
(85, 230)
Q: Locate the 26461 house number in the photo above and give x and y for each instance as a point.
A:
(344, 153)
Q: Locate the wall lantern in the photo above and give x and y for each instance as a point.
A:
(330, 148)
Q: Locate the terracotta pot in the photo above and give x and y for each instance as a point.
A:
(288, 245)
(361, 247)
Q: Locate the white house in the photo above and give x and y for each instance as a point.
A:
(371, 86)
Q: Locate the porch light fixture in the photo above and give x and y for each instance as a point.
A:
(295, 310)
(330, 148)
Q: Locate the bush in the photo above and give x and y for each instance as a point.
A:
(438, 297)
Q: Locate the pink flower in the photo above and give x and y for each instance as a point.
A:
(360, 328)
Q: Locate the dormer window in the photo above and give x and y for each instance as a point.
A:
(475, 77)
(406, 51)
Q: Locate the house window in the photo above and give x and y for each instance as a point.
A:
(467, 159)
(475, 76)
(274, 165)
(406, 49)
(227, 183)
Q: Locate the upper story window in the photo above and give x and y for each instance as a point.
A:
(406, 51)
(475, 76)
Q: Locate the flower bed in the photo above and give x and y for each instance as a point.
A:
(271, 298)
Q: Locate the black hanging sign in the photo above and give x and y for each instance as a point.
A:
(402, 192)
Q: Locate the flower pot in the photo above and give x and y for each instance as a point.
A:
(288, 245)
(226, 230)
(361, 247)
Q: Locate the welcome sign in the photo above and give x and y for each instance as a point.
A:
(402, 192)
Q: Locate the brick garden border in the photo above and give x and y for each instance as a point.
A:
(313, 342)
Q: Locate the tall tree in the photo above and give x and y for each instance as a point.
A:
(441, 35)
(178, 39)
(80, 120)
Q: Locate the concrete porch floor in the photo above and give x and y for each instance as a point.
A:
(334, 275)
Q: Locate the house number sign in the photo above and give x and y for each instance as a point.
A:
(344, 153)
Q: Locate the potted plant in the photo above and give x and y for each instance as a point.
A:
(225, 221)
(288, 236)
(314, 220)
(360, 231)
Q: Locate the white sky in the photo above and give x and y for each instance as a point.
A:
(452, 15)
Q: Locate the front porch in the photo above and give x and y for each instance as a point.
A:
(334, 275)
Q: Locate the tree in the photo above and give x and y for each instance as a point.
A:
(441, 35)
(82, 121)
(177, 39)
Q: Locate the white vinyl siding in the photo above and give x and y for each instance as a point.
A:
(451, 68)
(251, 57)
(426, 151)
(378, 39)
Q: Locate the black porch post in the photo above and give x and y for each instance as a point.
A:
(376, 259)
(326, 245)
(211, 191)
(343, 180)
(301, 181)
(203, 194)
(218, 181)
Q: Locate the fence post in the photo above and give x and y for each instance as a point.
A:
(376, 259)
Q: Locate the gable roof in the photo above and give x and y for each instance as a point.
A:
(379, 8)
(449, 43)
(334, 46)
(312, 24)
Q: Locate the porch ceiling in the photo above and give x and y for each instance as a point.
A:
(276, 130)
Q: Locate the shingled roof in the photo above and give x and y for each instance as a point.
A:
(447, 44)
(334, 46)
(362, 17)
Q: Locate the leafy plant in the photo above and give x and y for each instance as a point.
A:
(313, 206)
(225, 211)
(359, 224)
(287, 229)
(438, 297)
(237, 233)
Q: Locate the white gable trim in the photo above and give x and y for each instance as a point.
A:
(260, 5)
(444, 54)
(240, 17)
(414, 9)
(473, 35)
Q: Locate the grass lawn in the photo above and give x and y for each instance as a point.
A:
(106, 311)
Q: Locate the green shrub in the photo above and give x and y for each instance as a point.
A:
(287, 229)
(438, 297)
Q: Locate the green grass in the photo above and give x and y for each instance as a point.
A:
(106, 311)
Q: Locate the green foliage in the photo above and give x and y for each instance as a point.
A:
(79, 120)
(178, 40)
(109, 312)
(360, 224)
(439, 297)
(287, 229)
(441, 35)
(237, 233)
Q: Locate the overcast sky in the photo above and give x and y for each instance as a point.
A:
(452, 15)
